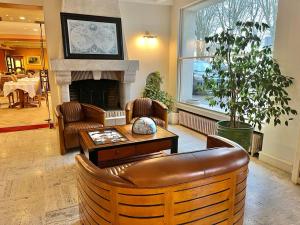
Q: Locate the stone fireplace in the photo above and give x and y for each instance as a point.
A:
(70, 71)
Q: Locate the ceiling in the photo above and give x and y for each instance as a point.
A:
(18, 27)
(21, 15)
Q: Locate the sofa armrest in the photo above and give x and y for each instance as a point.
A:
(160, 111)
(85, 166)
(93, 113)
(129, 111)
(214, 141)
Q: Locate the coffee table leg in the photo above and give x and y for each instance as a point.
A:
(93, 157)
(174, 148)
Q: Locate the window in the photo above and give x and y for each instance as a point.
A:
(205, 19)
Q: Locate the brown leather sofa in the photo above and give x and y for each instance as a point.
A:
(201, 187)
(73, 117)
(147, 107)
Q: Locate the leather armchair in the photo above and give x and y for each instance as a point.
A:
(147, 107)
(73, 117)
(207, 186)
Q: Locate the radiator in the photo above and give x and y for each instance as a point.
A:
(208, 126)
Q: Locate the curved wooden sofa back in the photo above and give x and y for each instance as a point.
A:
(108, 199)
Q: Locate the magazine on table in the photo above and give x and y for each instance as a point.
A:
(108, 136)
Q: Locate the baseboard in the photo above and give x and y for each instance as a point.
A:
(278, 163)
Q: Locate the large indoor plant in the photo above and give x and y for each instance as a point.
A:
(153, 90)
(249, 87)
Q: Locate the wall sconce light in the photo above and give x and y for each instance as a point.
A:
(147, 35)
(148, 39)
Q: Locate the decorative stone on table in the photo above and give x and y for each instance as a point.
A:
(144, 125)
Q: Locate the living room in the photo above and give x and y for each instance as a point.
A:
(112, 158)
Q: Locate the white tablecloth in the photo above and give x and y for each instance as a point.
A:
(30, 85)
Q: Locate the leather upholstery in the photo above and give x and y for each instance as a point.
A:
(142, 107)
(168, 170)
(72, 112)
(181, 168)
(73, 117)
(71, 132)
(147, 107)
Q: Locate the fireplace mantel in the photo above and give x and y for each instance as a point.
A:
(63, 69)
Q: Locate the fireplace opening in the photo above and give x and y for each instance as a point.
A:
(102, 93)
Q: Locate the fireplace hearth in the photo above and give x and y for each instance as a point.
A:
(102, 93)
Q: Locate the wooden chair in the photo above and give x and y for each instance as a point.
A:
(147, 107)
(202, 187)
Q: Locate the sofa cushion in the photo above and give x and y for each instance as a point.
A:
(185, 167)
(142, 107)
(72, 112)
(71, 132)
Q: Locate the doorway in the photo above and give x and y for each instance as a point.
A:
(25, 96)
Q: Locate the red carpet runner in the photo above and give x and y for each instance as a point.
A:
(22, 128)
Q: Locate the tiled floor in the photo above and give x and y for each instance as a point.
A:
(37, 185)
(18, 117)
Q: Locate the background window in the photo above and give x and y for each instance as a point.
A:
(207, 18)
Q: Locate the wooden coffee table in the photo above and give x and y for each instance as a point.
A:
(134, 146)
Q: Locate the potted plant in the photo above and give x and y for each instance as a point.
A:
(153, 90)
(250, 87)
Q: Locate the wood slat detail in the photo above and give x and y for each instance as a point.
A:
(83, 219)
(101, 213)
(238, 215)
(141, 200)
(91, 180)
(201, 213)
(225, 222)
(137, 221)
(240, 196)
(92, 195)
(201, 191)
(240, 221)
(239, 206)
(241, 186)
(88, 218)
(148, 211)
(241, 176)
(214, 219)
(201, 202)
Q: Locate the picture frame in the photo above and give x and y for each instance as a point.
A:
(33, 60)
(91, 37)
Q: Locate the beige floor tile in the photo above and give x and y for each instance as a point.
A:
(38, 186)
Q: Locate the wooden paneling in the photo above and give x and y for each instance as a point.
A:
(214, 200)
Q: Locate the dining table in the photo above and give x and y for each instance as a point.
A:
(24, 87)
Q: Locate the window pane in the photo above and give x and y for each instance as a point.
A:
(192, 90)
(205, 19)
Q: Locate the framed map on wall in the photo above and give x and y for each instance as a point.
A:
(91, 37)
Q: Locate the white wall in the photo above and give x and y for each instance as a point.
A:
(281, 144)
(138, 18)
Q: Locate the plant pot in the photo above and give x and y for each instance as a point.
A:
(173, 118)
(241, 135)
